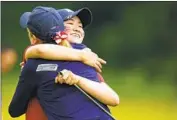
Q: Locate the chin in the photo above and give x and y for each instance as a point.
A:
(75, 41)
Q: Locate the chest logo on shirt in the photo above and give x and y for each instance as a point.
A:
(47, 67)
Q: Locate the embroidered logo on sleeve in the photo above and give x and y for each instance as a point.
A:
(47, 67)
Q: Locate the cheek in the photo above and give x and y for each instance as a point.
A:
(70, 39)
(83, 33)
(67, 30)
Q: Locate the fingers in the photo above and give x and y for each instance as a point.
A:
(99, 64)
(101, 61)
(69, 80)
(59, 79)
(22, 63)
(64, 73)
(97, 68)
(56, 79)
(66, 76)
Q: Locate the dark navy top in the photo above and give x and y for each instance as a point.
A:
(59, 101)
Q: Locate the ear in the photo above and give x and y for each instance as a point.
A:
(34, 41)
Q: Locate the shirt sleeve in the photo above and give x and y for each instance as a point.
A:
(100, 77)
(25, 90)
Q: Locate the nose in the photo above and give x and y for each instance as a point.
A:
(76, 29)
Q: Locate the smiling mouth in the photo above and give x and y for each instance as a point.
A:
(76, 35)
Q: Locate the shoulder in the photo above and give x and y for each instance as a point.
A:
(28, 72)
(32, 62)
(30, 66)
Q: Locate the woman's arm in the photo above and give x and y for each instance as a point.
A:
(100, 91)
(53, 52)
(57, 52)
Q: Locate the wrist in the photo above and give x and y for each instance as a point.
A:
(78, 78)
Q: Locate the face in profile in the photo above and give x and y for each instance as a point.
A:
(74, 29)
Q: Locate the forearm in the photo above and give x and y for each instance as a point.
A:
(25, 90)
(53, 52)
(100, 91)
(20, 99)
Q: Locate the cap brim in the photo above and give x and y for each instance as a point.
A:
(85, 16)
(24, 19)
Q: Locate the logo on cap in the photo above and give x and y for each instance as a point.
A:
(55, 27)
(68, 17)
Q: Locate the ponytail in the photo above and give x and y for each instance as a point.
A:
(30, 35)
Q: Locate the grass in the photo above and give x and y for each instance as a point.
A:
(139, 101)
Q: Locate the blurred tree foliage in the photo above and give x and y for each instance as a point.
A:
(126, 34)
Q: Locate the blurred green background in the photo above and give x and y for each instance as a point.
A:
(137, 39)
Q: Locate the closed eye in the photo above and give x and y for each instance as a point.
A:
(81, 26)
(70, 23)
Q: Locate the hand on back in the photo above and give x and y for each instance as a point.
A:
(92, 59)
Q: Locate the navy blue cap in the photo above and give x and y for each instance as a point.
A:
(84, 14)
(43, 22)
(24, 19)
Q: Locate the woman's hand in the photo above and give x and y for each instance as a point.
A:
(90, 58)
(67, 77)
(22, 65)
(99, 90)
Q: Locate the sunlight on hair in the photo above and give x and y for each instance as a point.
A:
(30, 35)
